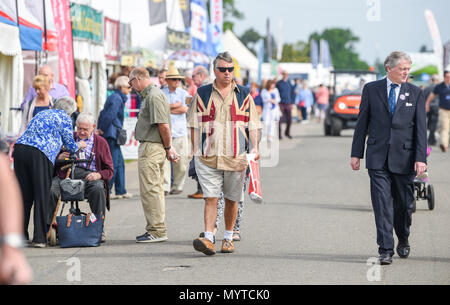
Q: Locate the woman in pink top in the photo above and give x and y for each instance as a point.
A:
(322, 97)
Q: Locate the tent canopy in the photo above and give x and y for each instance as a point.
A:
(239, 51)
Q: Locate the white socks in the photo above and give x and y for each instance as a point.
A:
(210, 236)
(228, 235)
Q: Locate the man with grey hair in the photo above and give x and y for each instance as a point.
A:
(392, 112)
(224, 126)
(200, 75)
(96, 174)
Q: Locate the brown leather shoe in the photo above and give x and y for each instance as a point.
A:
(443, 148)
(227, 246)
(196, 196)
(204, 245)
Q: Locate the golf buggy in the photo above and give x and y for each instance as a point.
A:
(343, 109)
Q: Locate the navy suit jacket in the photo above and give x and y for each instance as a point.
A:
(402, 140)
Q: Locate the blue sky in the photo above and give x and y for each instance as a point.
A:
(381, 25)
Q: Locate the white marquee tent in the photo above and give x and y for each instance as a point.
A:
(246, 59)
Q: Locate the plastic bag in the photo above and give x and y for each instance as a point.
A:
(254, 187)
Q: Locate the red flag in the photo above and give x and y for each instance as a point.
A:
(63, 25)
(254, 187)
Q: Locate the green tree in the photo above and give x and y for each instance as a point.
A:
(342, 49)
(250, 38)
(298, 52)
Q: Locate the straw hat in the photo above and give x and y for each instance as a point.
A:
(172, 73)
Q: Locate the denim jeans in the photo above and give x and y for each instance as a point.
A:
(119, 167)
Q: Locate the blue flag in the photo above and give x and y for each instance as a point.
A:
(201, 29)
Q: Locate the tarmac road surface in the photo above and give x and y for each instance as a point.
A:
(316, 226)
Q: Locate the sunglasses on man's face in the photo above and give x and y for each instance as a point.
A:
(130, 81)
(223, 69)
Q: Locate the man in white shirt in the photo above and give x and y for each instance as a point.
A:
(176, 96)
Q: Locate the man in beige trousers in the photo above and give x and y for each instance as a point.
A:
(153, 134)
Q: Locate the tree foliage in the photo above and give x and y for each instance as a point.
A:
(342, 49)
(298, 52)
(230, 12)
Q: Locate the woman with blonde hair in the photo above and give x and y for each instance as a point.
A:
(43, 101)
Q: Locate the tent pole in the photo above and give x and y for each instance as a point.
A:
(45, 32)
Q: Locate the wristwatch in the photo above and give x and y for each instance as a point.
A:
(167, 148)
(14, 240)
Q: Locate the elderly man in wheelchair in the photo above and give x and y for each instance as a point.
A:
(96, 173)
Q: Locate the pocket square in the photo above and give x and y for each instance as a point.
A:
(408, 104)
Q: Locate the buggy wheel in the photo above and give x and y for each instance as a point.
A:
(52, 239)
(336, 126)
(430, 196)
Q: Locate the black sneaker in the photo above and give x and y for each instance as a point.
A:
(149, 238)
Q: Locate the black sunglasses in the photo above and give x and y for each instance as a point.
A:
(130, 81)
(223, 69)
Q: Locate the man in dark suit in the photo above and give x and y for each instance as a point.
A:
(393, 113)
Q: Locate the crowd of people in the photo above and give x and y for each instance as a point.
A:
(188, 126)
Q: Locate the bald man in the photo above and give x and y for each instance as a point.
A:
(56, 90)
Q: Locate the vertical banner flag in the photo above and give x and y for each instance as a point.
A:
(62, 17)
(436, 37)
(269, 41)
(325, 56)
(124, 36)
(111, 30)
(158, 12)
(199, 21)
(447, 56)
(260, 60)
(200, 29)
(185, 6)
(216, 10)
(314, 53)
(279, 42)
(216, 7)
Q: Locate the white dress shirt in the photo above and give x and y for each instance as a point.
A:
(397, 90)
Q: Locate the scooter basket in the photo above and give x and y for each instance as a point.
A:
(72, 190)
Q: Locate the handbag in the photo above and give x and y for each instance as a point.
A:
(72, 189)
(79, 231)
(121, 136)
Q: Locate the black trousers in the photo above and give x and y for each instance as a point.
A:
(34, 172)
(433, 118)
(392, 200)
(286, 110)
(94, 192)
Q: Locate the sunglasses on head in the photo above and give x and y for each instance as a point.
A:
(223, 69)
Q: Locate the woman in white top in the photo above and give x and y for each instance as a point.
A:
(43, 101)
(271, 110)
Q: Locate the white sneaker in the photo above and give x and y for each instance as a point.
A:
(126, 196)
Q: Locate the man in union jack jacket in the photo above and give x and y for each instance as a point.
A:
(224, 126)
